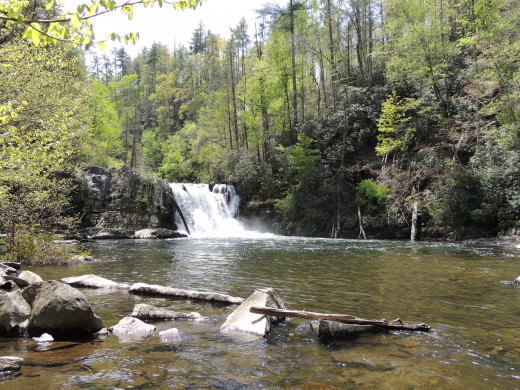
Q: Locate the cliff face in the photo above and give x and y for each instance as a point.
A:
(123, 200)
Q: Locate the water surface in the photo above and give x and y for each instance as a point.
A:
(463, 292)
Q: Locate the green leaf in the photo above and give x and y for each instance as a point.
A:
(102, 45)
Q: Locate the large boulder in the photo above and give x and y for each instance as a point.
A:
(242, 320)
(60, 310)
(121, 199)
(14, 313)
(94, 281)
(328, 331)
(144, 311)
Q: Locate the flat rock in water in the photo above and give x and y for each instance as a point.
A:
(158, 233)
(10, 365)
(30, 277)
(14, 312)
(142, 288)
(328, 331)
(242, 320)
(131, 325)
(60, 309)
(94, 281)
(148, 312)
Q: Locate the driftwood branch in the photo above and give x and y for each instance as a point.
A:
(396, 324)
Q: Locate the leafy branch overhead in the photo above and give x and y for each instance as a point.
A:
(75, 27)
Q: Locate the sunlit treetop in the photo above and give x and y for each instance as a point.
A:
(75, 27)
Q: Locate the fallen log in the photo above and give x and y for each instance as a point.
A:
(396, 324)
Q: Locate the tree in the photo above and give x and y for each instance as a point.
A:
(43, 114)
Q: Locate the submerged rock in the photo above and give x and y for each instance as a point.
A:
(149, 312)
(131, 325)
(14, 313)
(242, 320)
(153, 289)
(328, 331)
(94, 281)
(169, 335)
(10, 365)
(60, 309)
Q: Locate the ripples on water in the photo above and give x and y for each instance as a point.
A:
(461, 291)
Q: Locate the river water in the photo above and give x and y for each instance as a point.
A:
(463, 292)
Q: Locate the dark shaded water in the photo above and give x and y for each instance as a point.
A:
(464, 292)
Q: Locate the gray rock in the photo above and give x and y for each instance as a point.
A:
(149, 312)
(44, 339)
(6, 284)
(130, 325)
(157, 233)
(517, 280)
(328, 331)
(153, 289)
(94, 281)
(242, 320)
(14, 313)
(16, 280)
(10, 365)
(60, 310)
(13, 264)
(6, 269)
(30, 277)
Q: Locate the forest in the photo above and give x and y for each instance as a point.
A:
(350, 118)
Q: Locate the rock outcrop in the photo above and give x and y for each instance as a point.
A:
(242, 320)
(328, 331)
(153, 289)
(120, 199)
(149, 312)
(60, 310)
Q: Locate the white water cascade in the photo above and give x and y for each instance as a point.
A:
(209, 213)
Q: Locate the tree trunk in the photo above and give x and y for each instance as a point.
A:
(361, 230)
(396, 324)
(294, 134)
(415, 213)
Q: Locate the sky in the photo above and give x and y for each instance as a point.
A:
(170, 27)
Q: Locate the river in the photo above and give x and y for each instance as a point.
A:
(463, 292)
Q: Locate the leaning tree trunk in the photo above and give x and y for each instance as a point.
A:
(361, 230)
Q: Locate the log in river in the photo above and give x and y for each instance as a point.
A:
(396, 324)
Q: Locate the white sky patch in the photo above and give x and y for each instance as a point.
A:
(170, 27)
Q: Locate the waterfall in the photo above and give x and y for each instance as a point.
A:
(209, 212)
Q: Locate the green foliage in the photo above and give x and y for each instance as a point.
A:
(43, 120)
(391, 138)
(371, 196)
